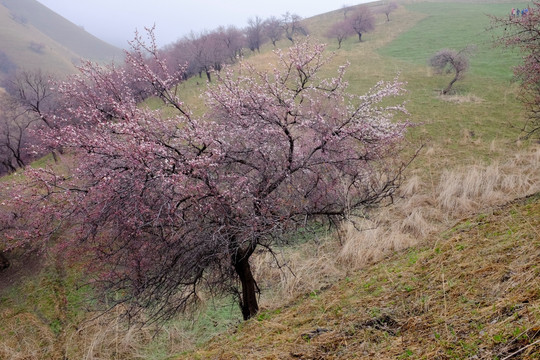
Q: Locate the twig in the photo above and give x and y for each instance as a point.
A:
(520, 350)
(445, 305)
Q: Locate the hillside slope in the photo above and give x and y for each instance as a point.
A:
(32, 36)
(61, 30)
(472, 293)
(468, 289)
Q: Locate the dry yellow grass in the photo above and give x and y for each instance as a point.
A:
(422, 210)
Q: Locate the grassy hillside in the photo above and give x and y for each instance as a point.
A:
(472, 292)
(456, 25)
(61, 30)
(32, 36)
(17, 39)
(449, 271)
(389, 312)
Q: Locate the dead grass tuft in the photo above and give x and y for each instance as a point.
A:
(420, 212)
(303, 270)
(475, 187)
(368, 241)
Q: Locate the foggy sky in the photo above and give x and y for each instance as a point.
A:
(115, 21)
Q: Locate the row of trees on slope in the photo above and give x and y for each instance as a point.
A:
(208, 51)
(160, 207)
(197, 54)
(360, 21)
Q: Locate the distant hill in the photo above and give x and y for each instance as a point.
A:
(33, 36)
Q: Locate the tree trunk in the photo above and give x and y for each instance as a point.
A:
(4, 262)
(359, 37)
(449, 87)
(248, 301)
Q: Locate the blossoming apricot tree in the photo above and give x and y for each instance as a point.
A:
(163, 205)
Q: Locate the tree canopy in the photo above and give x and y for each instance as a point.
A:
(451, 61)
(160, 207)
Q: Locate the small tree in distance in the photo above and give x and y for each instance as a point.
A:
(340, 31)
(452, 61)
(255, 33)
(167, 206)
(388, 8)
(362, 21)
(292, 26)
(273, 29)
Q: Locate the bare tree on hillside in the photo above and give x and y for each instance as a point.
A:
(14, 126)
(178, 55)
(292, 26)
(362, 21)
(25, 107)
(452, 61)
(205, 51)
(255, 34)
(388, 8)
(340, 31)
(32, 91)
(234, 41)
(273, 29)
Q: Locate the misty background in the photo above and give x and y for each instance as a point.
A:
(115, 21)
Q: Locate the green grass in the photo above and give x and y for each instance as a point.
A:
(483, 120)
(456, 25)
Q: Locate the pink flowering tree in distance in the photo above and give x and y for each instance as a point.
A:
(160, 206)
(523, 33)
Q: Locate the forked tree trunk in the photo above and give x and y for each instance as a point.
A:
(248, 301)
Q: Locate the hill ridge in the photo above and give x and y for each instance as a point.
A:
(61, 30)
